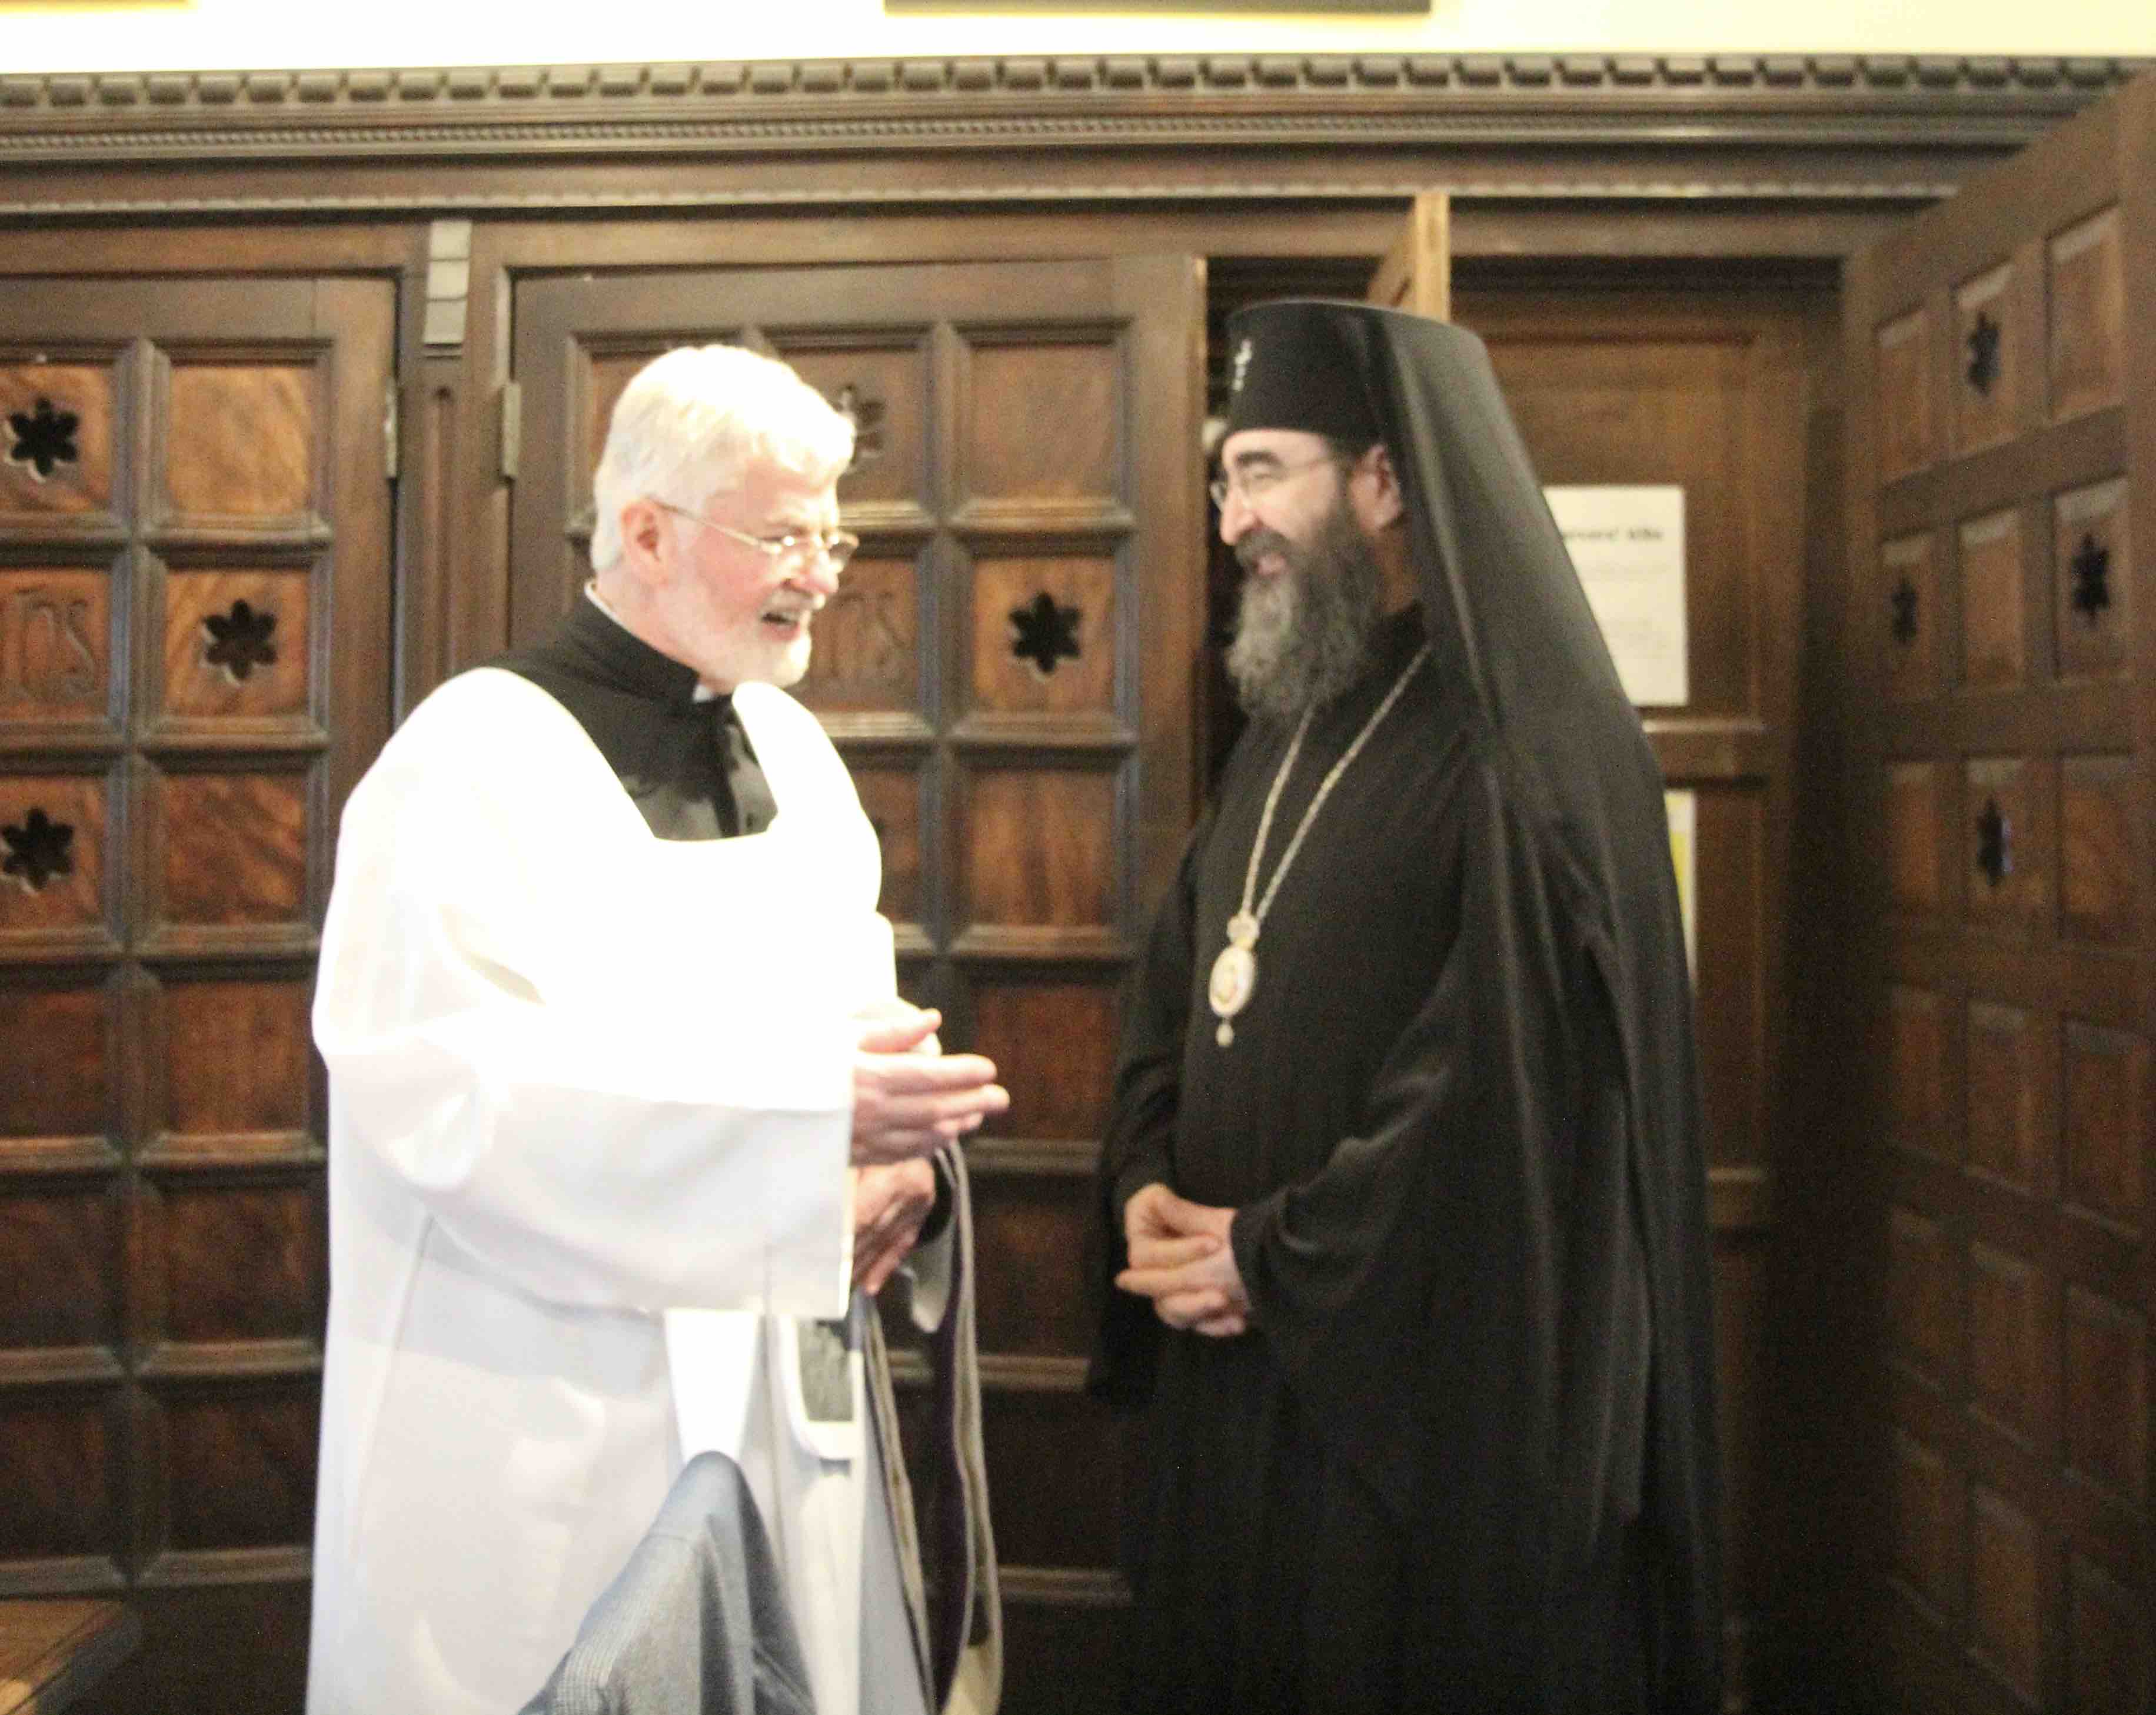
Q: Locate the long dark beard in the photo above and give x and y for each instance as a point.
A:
(1302, 636)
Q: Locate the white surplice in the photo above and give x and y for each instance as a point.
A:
(579, 1077)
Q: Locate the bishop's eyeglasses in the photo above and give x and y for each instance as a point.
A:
(1255, 481)
(794, 550)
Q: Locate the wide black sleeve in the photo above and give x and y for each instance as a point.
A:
(1138, 1148)
(1460, 1292)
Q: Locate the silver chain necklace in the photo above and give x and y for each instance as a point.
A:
(1235, 977)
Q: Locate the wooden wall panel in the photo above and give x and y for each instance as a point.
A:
(240, 445)
(2107, 1393)
(1012, 388)
(883, 381)
(1993, 626)
(2007, 841)
(231, 847)
(1918, 1050)
(1913, 843)
(1030, 1236)
(61, 1287)
(1903, 357)
(1988, 327)
(2087, 332)
(867, 636)
(57, 890)
(239, 1466)
(2011, 1341)
(61, 461)
(63, 1082)
(2010, 1101)
(1055, 1041)
(2107, 1648)
(2042, 942)
(897, 801)
(1041, 850)
(1052, 1472)
(1923, 1306)
(1904, 623)
(2099, 850)
(237, 1059)
(170, 698)
(2093, 579)
(237, 644)
(62, 1467)
(2107, 1090)
(1043, 634)
(1926, 1525)
(55, 627)
(276, 1236)
(2006, 1580)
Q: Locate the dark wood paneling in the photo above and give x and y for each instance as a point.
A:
(2012, 1473)
(172, 698)
(61, 1286)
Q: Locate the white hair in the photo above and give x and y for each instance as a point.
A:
(690, 423)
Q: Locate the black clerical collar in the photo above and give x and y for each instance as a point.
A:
(601, 645)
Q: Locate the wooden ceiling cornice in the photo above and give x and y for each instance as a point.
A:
(1577, 128)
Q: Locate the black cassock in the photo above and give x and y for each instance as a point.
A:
(1464, 1457)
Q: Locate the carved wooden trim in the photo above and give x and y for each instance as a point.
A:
(1695, 192)
(1087, 100)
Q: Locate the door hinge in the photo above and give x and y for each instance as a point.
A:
(392, 427)
(512, 427)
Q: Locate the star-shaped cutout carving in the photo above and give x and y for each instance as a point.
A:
(1043, 632)
(44, 437)
(1983, 353)
(2091, 565)
(38, 850)
(1994, 853)
(1904, 600)
(867, 414)
(240, 641)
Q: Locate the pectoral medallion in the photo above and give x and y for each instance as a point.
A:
(1234, 975)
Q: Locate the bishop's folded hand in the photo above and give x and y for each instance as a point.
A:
(908, 1102)
(1181, 1258)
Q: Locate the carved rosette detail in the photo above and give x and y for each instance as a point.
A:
(43, 438)
(1905, 606)
(1983, 353)
(1044, 632)
(238, 642)
(2091, 567)
(866, 414)
(37, 849)
(1994, 843)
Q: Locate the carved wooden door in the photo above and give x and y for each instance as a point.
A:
(1008, 669)
(194, 505)
(2003, 621)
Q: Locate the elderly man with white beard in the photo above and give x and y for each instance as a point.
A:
(627, 1120)
(1402, 1193)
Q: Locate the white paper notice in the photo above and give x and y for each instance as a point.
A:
(1629, 546)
